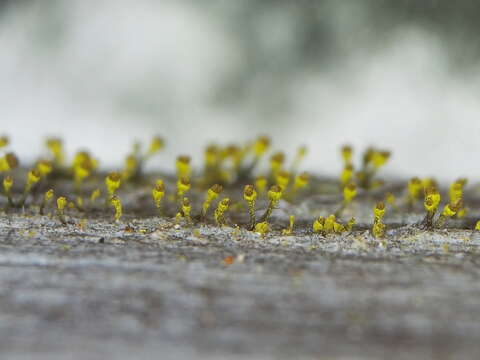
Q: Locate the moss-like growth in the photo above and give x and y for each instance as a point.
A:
(219, 215)
(44, 167)
(227, 168)
(94, 196)
(4, 141)
(414, 191)
(61, 204)
(274, 196)
(112, 183)
(291, 223)
(318, 225)
(449, 211)
(431, 202)
(158, 193)
(373, 160)
(184, 169)
(55, 146)
(329, 224)
(7, 189)
(276, 163)
(347, 153)
(346, 176)
(391, 200)
(8, 162)
(186, 210)
(349, 193)
(46, 199)
(477, 226)
(261, 184)
(378, 228)
(250, 196)
(116, 203)
(212, 193)
(282, 179)
(262, 228)
(183, 186)
(83, 166)
(261, 146)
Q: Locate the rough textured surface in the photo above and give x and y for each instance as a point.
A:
(102, 290)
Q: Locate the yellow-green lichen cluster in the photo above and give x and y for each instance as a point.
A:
(239, 185)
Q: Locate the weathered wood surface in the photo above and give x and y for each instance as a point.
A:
(102, 292)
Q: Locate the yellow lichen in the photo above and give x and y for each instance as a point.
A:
(414, 188)
(379, 158)
(301, 181)
(61, 204)
(379, 211)
(94, 196)
(55, 146)
(212, 157)
(130, 168)
(46, 199)
(83, 165)
(183, 167)
(116, 203)
(282, 179)
(260, 146)
(347, 175)
(378, 228)
(262, 228)
(212, 193)
(274, 196)
(276, 163)
(250, 196)
(351, 223)
(431, 202)
(155, 146)
(8, 162)
(44, 167)
(456, 196)
(183, 186)
(373, 160)
(222, 207)
(432, 199)
(318, 225)
(391, 200)
(158, 193)
(261, 184)
(291, 223)
(449, 211)
(7, 184)
(7, 188)
(347, 152)
(33, 177)
(4, 141)
(477, 225)
(186, 209)
(329, 224)
(112, 182)
(349, 193)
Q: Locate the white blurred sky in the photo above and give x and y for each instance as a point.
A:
(128, 70)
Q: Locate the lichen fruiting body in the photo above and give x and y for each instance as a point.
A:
(222, 207)
(274, 196)
(250, 196)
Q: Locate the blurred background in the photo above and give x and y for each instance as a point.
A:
(401, 75)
